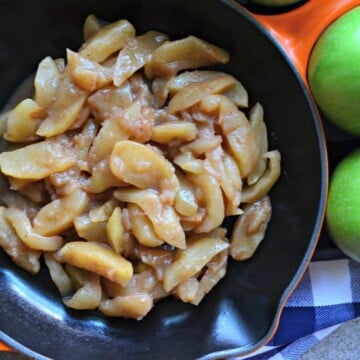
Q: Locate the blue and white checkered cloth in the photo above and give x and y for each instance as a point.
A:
(327, 295)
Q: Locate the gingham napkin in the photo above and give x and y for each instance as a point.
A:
(327, 295)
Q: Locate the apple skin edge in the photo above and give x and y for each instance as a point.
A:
(334, 72)
(343, 210)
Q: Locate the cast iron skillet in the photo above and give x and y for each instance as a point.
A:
(242, 312)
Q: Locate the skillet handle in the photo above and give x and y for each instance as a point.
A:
(298, 30)
(3, 347)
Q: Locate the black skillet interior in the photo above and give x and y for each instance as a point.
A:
(242, 311)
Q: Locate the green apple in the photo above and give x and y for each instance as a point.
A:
(343, 209)
(334, 72)
(275, 2)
